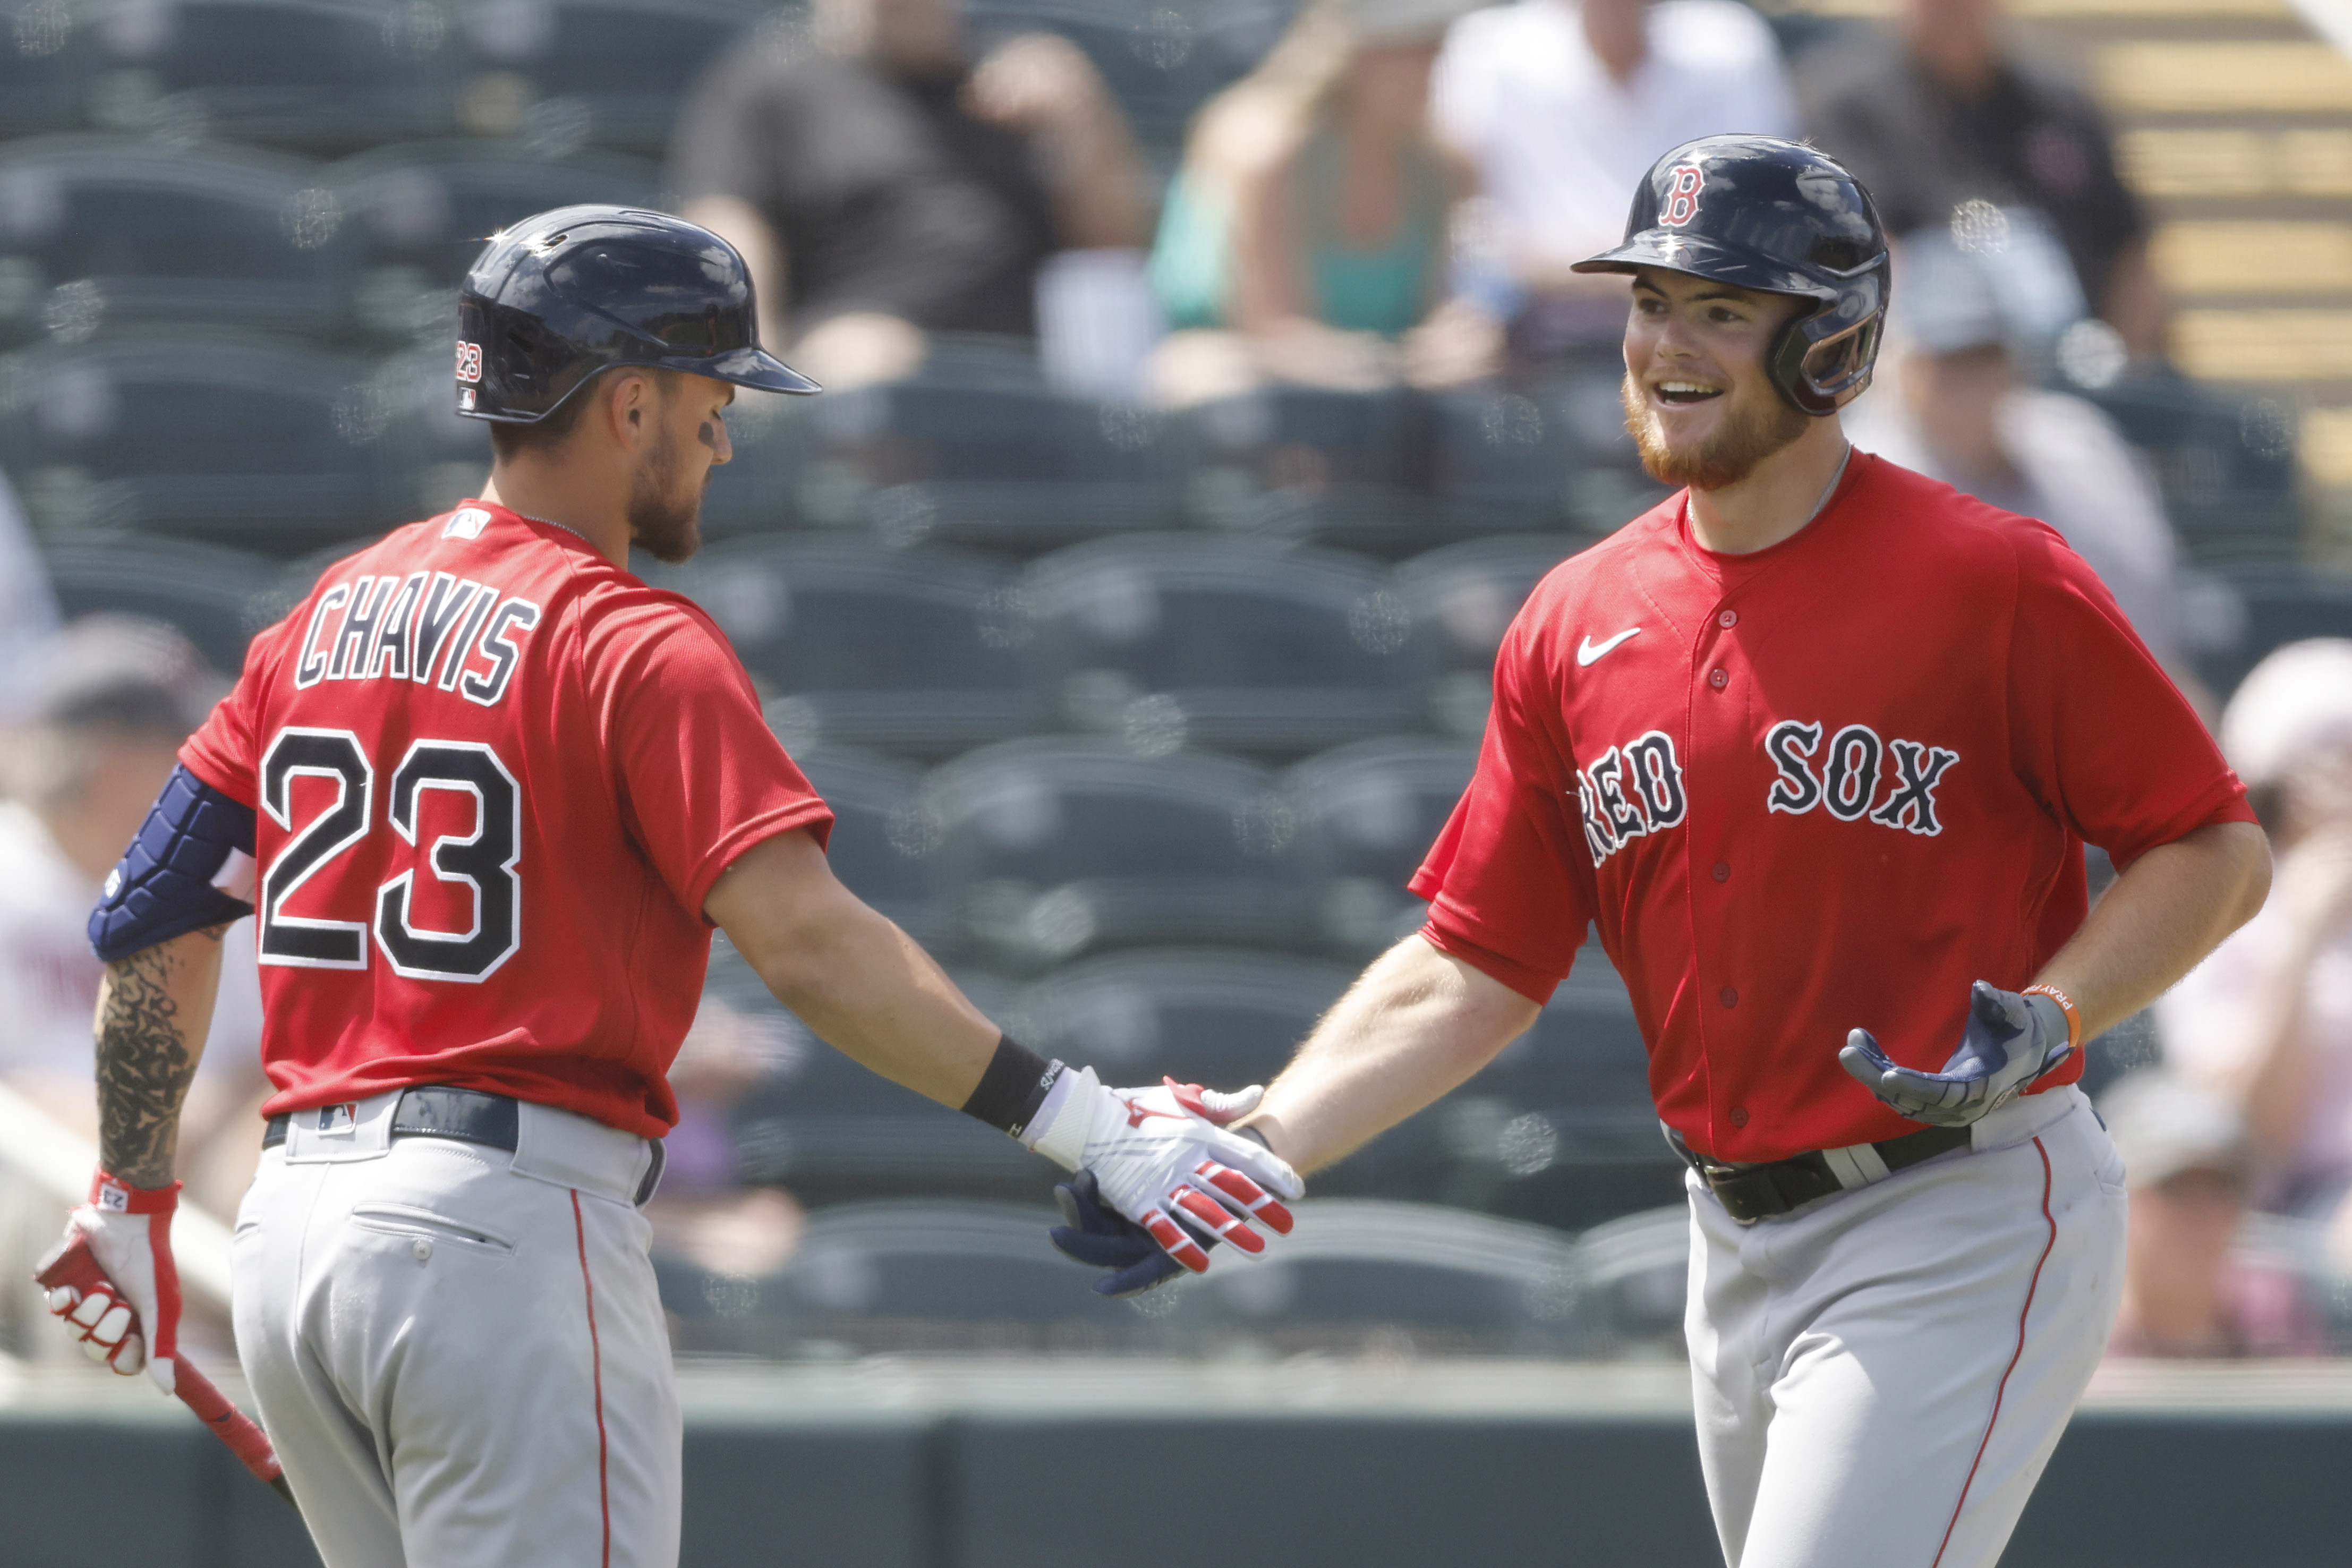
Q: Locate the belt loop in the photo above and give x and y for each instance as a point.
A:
(654, 1169)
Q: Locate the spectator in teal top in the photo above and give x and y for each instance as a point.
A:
(1305, 238)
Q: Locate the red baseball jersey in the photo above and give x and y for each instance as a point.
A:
(495, 777)
(1821, 787)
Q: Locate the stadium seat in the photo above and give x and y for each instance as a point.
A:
(1635, 1276)
(569, 73)
(46, 59)
(833, 1131)
(317, 75)
(1461, 598)
(1367, 814)
(1051, 848)
(1223, 1017)
(96, 235)
(877, 1277)
(2226, 464)
(1234, 645)
(267, 448)
(904, 652)
(1502, 463)
(1352, 468)
(419, 215)
(1359, 1275)
(1558, 1128)
(871, 849)
(217, 599)
(978, 449)
(2284, 604)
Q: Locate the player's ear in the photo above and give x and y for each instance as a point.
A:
(629, 407)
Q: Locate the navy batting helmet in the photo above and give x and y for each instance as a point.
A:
(559, 297)
(1760, 212)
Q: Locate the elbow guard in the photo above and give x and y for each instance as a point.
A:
(190, 867)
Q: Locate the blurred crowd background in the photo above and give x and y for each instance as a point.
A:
(1206, 389)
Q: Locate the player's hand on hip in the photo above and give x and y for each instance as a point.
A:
(127, 1312)
(2011, 1040)
(1161, 1160)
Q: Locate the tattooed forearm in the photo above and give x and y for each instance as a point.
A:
(144, 1066)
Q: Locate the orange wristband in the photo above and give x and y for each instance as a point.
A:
(2066, 1005)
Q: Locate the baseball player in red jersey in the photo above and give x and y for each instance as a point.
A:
(487, 793)
(1816, 745)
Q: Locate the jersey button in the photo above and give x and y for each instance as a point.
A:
(1731, 995)
(1718, 678)
(1739, 1116)
(1722, 872)
(1729, 618)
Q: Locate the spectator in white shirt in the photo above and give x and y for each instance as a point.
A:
(2266, 1020)
(108, 702)
(1562, 106)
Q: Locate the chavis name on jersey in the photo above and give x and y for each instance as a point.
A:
(424, 628)
(1844, 780)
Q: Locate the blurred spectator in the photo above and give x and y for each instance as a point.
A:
(702, 1212)
(1563, 106)
(2186, 1292)
(1313, 212)
(1950, 126)
(1959, 412)
(108, 703)
(2266, 1020)
(29, 610)
(883, 185)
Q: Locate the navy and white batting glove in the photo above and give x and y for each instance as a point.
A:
(2011, 1039)
(1159, 1153)
(1100, 1237)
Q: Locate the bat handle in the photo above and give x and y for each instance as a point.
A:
(230, 1425)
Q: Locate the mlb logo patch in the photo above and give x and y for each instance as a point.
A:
(338, 1120)
(466, 522)
(464, 400)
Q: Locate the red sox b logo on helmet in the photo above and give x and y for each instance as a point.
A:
(1682, 195)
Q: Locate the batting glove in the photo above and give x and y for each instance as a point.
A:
(2011, 1040)
(131, 1320)
(1160, 1159)
(1100, 1237)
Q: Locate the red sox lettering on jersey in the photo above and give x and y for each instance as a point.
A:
(1822, 787)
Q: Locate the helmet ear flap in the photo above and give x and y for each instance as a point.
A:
(1818, 374)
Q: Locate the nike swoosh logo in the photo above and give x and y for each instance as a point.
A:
(1588, 650)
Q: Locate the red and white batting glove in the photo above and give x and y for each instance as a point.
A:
(133, 1321)
(1158, 1153)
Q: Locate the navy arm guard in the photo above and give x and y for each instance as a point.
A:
(187, 869)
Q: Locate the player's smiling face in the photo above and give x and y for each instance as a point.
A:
(1697, 399)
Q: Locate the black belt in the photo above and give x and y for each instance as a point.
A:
(1750, 1192)
(467, 1115)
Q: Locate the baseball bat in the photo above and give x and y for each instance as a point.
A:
(77, 1268)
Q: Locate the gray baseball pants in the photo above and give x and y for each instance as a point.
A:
(1880, 1375)
(458, 1352)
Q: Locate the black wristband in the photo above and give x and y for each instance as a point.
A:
(1012, 1088)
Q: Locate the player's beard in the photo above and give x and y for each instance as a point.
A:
(1746, 438)
(665, 514)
